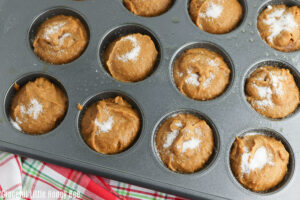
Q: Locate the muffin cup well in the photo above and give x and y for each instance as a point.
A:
(106, 95)
(243, 19)
(275, 2)
(291, 164)
(276, 63)
(210, 46)
(124, 30)
(201, 116)
(23, 81)
(51, 13)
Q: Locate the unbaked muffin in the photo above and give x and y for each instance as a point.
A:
(279, 27)
(185, 143)
(259, 162)
(272, 92)
(60, 39)
(38, 107)
(131, 58)
(216, 16)
(148, 8)
(110, 126)
(201, 74)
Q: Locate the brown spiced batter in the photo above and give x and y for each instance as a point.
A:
(216, 16)
(184, 143)
(272, 92)
(148, 8)
(279, 26)
(60, 39)
(110, 126)
(259, 162)
(131, 58)
(201, 74)
(38, 107)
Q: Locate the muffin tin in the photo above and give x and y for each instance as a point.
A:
(86, 80)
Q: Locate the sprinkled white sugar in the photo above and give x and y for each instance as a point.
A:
(207, 82)
(192, 79)
(260, 78)
(34, 109)
(213, 10)
(62, 38)
(170, 138)
(195, 59)
(53, 30)
(278, 21)
(266, 92)
(265, 103)
(190, 144)
(178, 124)
(106, 125)
(259, 160)
(16, 123)
(175, 114)
(198, 131)
(276, 83)
(212, 63)
(263, 92)
(134, 53)
(180, 74)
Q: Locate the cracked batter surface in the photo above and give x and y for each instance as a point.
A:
(279, 27)
(148, 8)
(110, 126)
(131, 58)
(216, 16)
(185, 143)
(201, 74)
(272, 92)
(60, 39)
(259, 162)
(38, 107)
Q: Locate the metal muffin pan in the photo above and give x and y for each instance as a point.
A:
(85, 79)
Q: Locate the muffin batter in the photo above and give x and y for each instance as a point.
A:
(216, 16)
(259, 162)
(185, 143)
(38, 107)
(148, 8)
(60, 39)
(201, 74)
(279, 26)
(110, 126)
(272, 92)
(131, 58)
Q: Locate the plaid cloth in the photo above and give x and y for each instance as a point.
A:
(25, 178)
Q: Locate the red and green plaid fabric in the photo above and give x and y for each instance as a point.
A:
(31, 179)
